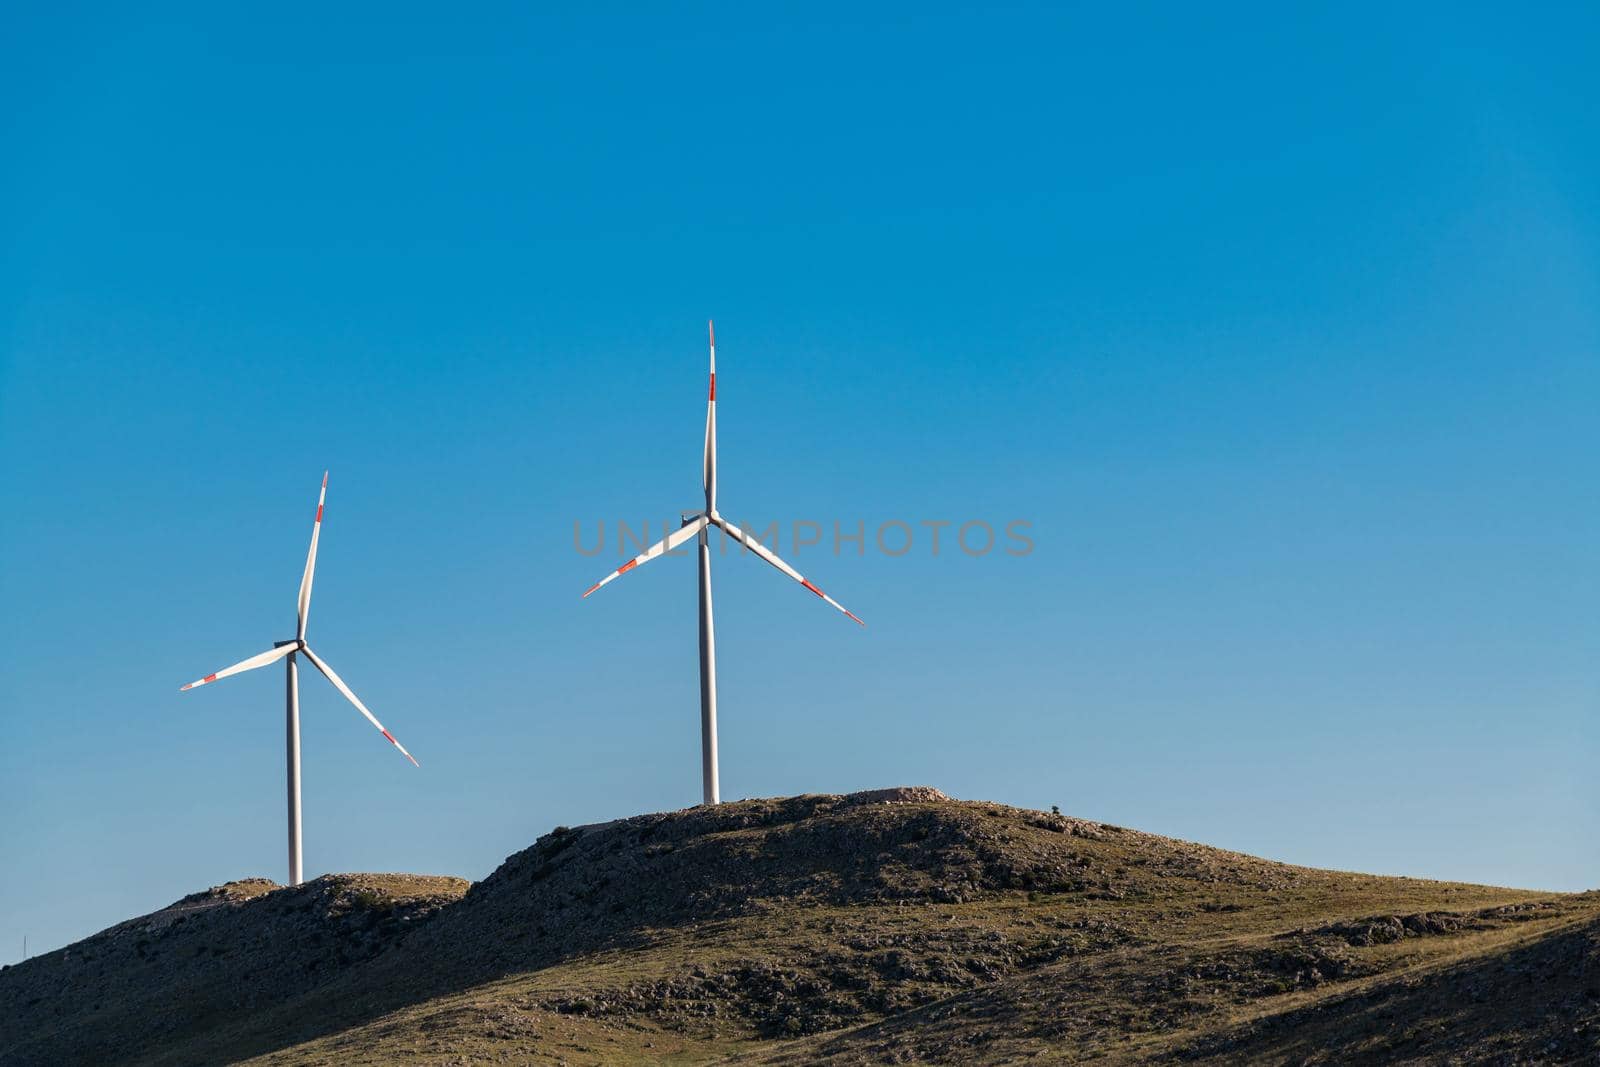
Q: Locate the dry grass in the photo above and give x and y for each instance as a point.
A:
(846, 929)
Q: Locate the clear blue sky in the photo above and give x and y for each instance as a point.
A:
(1280, 329)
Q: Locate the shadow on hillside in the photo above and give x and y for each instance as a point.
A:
(1539, 999)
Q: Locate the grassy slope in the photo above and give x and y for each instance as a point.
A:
(204, 962)
(818, 928)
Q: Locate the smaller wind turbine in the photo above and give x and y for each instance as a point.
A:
(286, 650)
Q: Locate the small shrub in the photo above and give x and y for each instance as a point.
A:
(559, 840)
(371, 900)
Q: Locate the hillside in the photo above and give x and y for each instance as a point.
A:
(895, 926)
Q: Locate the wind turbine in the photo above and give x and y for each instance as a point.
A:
(699, 524)
(286, 651)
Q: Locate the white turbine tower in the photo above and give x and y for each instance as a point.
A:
(286, 651)
(699, 524)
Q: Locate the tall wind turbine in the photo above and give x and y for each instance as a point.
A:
(699, 525)
(286, 651)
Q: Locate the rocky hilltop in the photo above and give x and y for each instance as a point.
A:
(892, 926)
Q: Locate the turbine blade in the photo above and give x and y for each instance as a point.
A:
(243, 665)
(338, 683)
(772, 557)
(666, 544)
(311, 563)
(710, 469)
